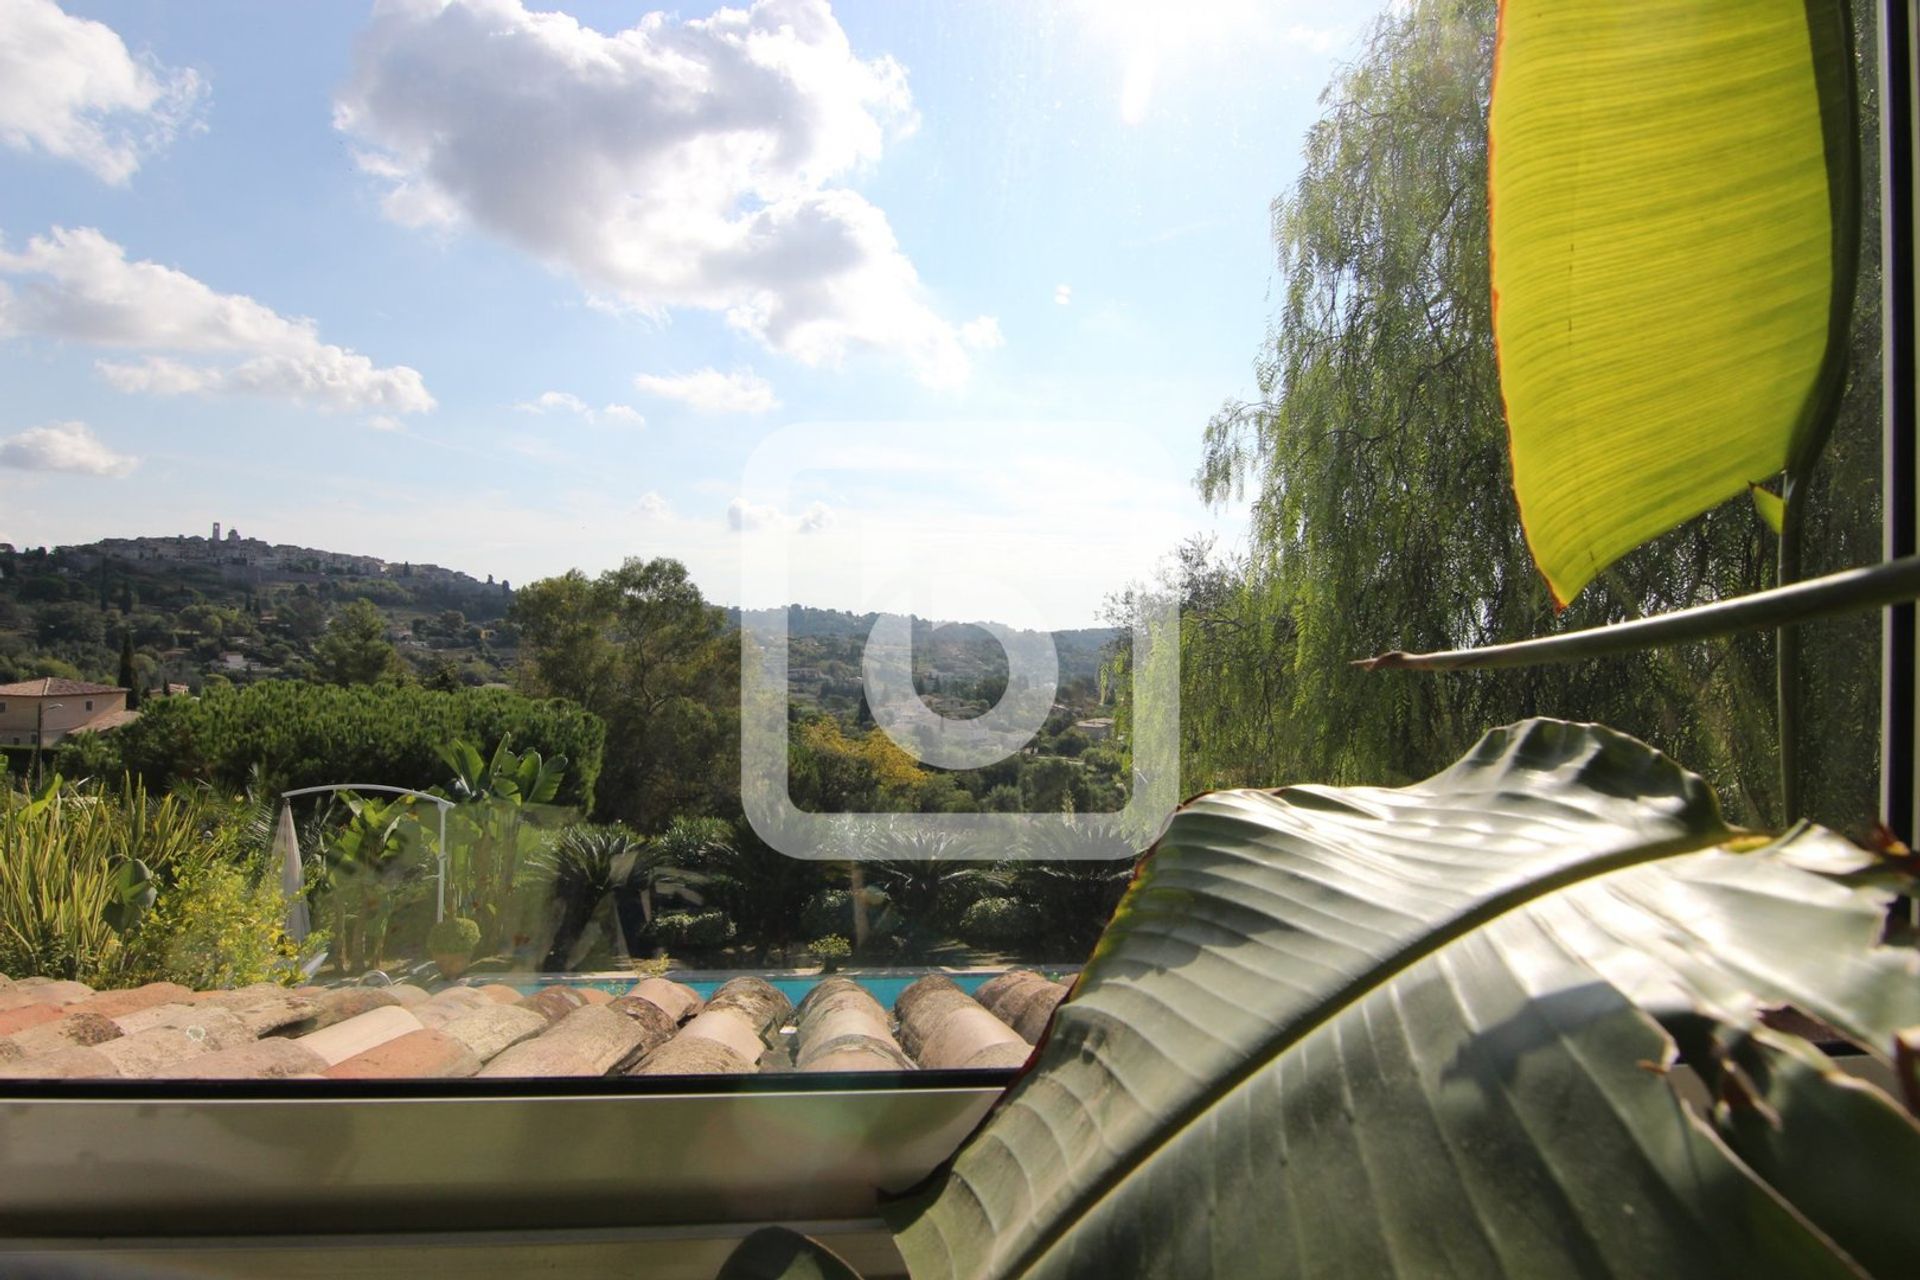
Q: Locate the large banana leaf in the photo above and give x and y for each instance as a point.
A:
(772, 1252)
(1673, 205)
(1427, 1031)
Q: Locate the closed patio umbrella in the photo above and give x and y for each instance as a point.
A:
(286, 846)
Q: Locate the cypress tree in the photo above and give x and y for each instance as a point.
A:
(126, 678)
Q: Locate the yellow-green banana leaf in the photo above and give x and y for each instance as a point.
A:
(1673, 197)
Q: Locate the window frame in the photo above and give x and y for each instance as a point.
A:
(83, 1155)
(1899, 122)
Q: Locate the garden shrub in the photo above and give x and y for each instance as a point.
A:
(694, 932)
(829, 911)
(59, 852)
(456, 935)
(999, 924)
(87, 755)
(221, 924)
(830, 951)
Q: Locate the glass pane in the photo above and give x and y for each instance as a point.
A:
(533, 539)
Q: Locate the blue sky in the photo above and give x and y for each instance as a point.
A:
(513, 291)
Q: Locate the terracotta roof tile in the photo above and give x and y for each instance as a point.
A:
(356, 1035)
(27, 1015)
(54, 687)
(414, 1055)
(591, 1041)
(111, 720)
(273, 1058)
(491, 1030)
(54, 1028)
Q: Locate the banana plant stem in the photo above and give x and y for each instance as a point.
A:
(1850, 590)
(1786, 645)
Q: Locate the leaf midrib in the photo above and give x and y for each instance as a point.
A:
(1336, 1001)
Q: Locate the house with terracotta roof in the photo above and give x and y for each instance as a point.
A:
(49, 709)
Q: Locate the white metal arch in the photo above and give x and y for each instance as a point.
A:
(440, 850)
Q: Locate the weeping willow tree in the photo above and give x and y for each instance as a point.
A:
(1382, 513)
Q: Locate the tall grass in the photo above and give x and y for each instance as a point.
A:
(58, 851)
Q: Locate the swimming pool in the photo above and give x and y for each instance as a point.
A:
(883, 987)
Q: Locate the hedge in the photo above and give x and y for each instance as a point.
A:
(305, 735)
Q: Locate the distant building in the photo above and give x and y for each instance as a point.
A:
(1097, 730)
(257, 562)
(54, 708)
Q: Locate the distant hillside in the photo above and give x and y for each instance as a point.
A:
(241, 610)
(234, 609)
(959, 670)
(232, 561)
(805, 622)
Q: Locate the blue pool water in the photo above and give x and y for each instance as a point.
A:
(885, 988)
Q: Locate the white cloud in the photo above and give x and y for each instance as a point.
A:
(549, 401)
(743, 516)
(63, 446)
(326, 377)
(78, 285)
(70, 89)
(651, 506)
(675, 164)
(567, 402)
(1063, 295)
(711, 391)
(749, 517)
(385, 422)
(982, 334)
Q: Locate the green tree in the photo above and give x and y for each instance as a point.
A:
(588, 865)
(300, 615)
(1374, 456)
(926, 879)
(643, 650)
(759, 888)
(501, 800)
(442, 676)
(70, 623)
(303, 734)
(355, 649)
(374, 866)
(128, 679)
(1051, 785)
